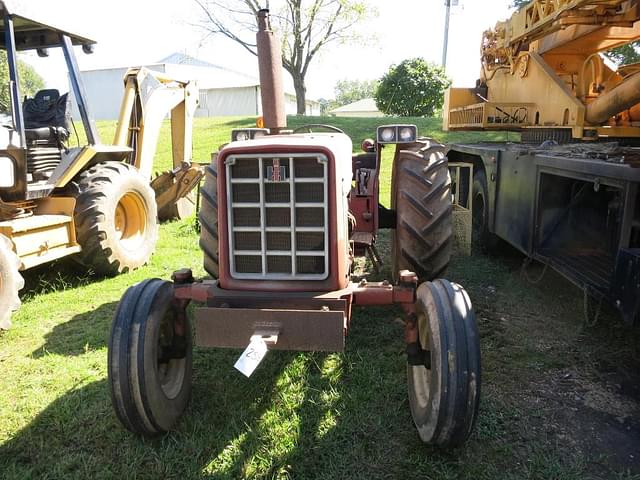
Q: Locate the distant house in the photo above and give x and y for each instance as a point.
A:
(362, 108)
(223, 92)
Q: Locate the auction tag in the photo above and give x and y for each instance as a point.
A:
(252, 356)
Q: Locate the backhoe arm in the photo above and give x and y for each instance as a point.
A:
(149, 97)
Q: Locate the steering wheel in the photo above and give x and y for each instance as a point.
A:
(309, 126)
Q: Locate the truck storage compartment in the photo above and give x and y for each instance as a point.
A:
(578, 228)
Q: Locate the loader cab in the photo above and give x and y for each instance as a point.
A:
(34, 132)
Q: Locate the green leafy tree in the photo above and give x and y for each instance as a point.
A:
(30, 81)
(625, 54)
(349, 91)
(414, 88)
(326, 105)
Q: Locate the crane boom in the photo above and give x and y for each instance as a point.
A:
(542, 69)
(543, 25)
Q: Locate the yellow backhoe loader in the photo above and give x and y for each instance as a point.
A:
(97, 202)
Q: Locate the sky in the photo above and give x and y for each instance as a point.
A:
(135, 32)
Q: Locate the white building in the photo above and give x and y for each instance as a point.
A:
(223, 92)
(362, 108)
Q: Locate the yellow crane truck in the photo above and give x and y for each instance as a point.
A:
(94, 201)
(567, 195)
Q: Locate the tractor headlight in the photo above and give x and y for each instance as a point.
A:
(397, 134)
(387, 135)
(7, 172)
(242, 134)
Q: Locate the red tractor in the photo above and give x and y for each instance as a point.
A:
(283, 215)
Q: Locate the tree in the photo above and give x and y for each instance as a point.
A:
(414, 88)
(349, 91)
(519, 3)
(30, 81)
(625, 54)
(305, 27)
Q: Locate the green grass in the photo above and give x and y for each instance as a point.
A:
(315, 416)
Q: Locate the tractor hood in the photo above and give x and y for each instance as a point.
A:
(38, 24)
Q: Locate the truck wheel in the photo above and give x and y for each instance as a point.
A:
(11, 282)
(480, 214)
(209, 220)
(444, 386)
(116, 218)
(421, 198)
(149, 364)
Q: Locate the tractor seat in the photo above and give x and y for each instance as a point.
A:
(46, 109)
(46, 118)
(47, 134)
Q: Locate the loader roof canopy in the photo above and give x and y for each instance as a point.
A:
(32, 28)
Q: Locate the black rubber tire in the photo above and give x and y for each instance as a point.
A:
(444, 399)
(183, 208)
(480, 213)
(11, 282)
(102, 192)
(208, 217)
(141, 403)
(421, 198)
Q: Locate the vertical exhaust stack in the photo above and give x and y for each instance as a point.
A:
(270, 65)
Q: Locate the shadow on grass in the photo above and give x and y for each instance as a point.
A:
(299, 416)
(59, 275)
(78, 435)
(87, 330)
(248, 122)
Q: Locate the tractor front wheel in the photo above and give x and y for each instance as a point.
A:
(149, 359)
(10, 282)
(421, 198)
(443, 370)
(116, 218)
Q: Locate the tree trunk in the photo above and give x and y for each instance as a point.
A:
(301, 93)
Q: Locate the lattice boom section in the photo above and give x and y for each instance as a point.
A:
(277, 205)
(488, 115)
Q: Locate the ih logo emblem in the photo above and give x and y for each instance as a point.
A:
(277, 173)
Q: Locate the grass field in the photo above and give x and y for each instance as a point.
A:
(560, 400)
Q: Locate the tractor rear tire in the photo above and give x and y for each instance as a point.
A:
(209, 220)
(116, 218)
(444, 391)
(149, 365)
(11, 282)
(421, 198)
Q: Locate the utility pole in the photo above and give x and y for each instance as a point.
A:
(445, 44)
(447, 4)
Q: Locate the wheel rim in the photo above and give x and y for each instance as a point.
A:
(131, 221)
(421, 374)
(170, 373)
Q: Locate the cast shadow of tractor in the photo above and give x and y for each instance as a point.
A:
(338, 414)
(87, 330)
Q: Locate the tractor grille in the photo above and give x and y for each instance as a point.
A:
(278, 212)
